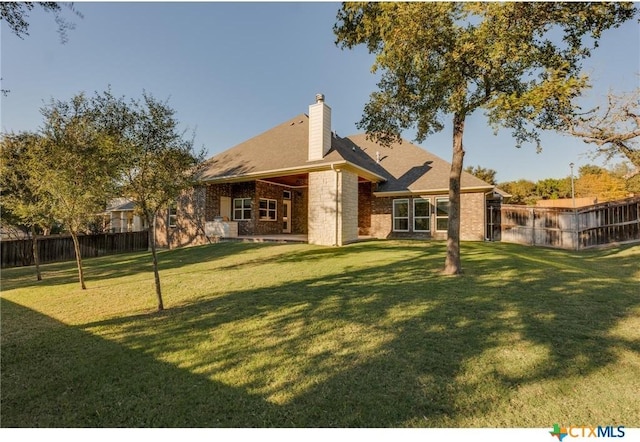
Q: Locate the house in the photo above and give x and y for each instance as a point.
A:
(300, 178)
(120, 217)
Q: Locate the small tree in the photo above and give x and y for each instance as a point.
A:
(519, 61)
(20, 200)
(78, 167)
(161, 163)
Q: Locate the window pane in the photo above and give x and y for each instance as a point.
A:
(263, 204)
(247, 214)
(401, 224)
(442, 223)
(442, 207)
(421, 208)
(237, 203)
(421, 224)
(272, 204)
(401, 208)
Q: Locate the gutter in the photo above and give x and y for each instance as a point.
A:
(430, 191)
(291, 171)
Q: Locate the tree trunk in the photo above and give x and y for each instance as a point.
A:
(76, 247)
(36, 255)
(152, 241)
(452, 264)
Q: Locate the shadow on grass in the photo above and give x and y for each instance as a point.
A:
(87, 381)
(385, 346)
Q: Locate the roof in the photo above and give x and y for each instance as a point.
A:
(120, 204)
(402, 167)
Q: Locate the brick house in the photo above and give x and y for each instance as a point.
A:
(300, 178)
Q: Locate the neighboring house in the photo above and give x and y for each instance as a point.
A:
(301, 178)
(121, 218)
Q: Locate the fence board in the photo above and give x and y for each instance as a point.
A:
(566, 228)
(15, 253)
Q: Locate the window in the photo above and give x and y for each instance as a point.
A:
(442, 213)
(401, 215)
(173, 214)
(421, 215)
(242, 209)
(286, 194)
(268, 209)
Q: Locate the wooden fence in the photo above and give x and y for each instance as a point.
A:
(567, 228)
(15, 253)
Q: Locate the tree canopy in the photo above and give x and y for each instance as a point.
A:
(614, 128)
(16, 15)
(519, 61)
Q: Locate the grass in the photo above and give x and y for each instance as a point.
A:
(368, 335)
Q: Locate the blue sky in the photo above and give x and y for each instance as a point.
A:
(234, 70)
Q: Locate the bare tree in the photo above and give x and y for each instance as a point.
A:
(613, 129)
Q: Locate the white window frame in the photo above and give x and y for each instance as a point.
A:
(394, 217)
(243, 208)
(441, 217)
(271, 212)
(172, 215)
(427, 217)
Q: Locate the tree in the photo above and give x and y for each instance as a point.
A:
(595, 181)
(614, 129)
(160, 162)
(20, 200)
(553, 188)
(521, 191)
(450, 59)
(78, 167)
(15, 14)
(487, 175)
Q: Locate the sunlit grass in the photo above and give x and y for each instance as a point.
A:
(368, 335)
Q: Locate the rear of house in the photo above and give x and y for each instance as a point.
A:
(300, 178)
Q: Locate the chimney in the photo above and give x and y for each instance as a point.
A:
(319, 129)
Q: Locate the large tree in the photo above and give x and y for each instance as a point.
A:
(16, 15)
(518, 61)
(79, 166)
(614, 129)
(160, 161)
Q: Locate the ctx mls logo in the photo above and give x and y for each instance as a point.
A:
(586, 431)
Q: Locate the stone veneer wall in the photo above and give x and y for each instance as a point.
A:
(472, 221)
(348, 206)
(333, 207)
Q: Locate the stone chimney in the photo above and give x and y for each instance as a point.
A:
(319, 129)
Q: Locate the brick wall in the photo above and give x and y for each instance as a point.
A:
(472, 222)
(299, 210)
(472, 216)
(256, 190)
(364, 208)
(190, 221)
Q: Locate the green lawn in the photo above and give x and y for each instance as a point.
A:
(368, 335)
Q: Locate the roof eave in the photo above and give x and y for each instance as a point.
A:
(292, 171)
(410, 192)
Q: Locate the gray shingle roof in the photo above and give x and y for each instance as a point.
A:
(403, 167)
